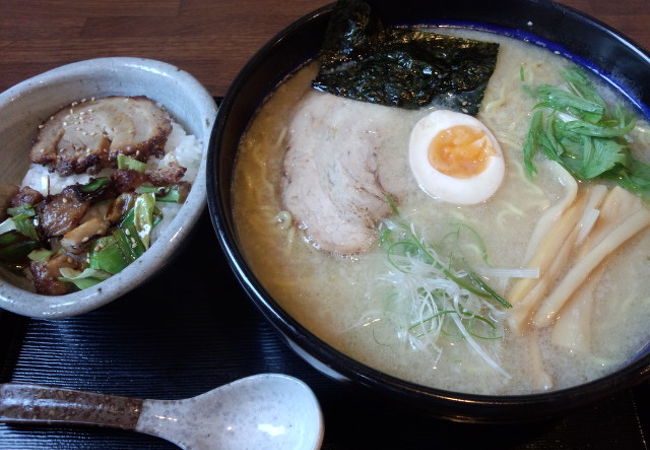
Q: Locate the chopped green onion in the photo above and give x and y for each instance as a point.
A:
(150, 189)
(27, 210)
(139, 220)
(421, 288)
(484, 320)
(480, 244)
(492, 293)
(168, 194)
(82, 280)
(126, 162)
(25, 226)
(107, 255)
(21, 223)
(413, 245)
(113, 253)
(94, 185)
(172, 195)
(430, 318)
(129, 243)
(468, 319)
(40, 255)
(143, 216)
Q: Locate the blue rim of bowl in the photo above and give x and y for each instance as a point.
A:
(451, 405)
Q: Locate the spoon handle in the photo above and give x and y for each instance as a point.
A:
(20, 403)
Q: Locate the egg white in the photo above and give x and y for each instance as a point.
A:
(460, 191)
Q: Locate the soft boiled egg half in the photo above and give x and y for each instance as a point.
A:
(455, 158)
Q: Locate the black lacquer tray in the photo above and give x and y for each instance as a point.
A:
(192, 328)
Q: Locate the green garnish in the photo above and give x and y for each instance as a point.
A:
(113, 253)
(408, 243)
(127, 242)
(436, 316)
(94, 185)
(82, 280)
(168, 194)
(433, 299)
(40, 255)
(107, 255)
(465, 233)
(575, 127)
(567, 102)
(532, 142)
(27, 210)
(470, 321)
(126, 162)
(491, 327)
(23, 223)
(487, 289)
(143, 212)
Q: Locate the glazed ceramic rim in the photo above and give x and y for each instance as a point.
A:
(20, 301)
(447, 404)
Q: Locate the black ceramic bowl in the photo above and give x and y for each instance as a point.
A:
(562, 29)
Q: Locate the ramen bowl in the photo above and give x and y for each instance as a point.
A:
(562, 30)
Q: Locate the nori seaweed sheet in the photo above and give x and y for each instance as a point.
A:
(405, 67)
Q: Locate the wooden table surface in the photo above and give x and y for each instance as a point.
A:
(211, 39)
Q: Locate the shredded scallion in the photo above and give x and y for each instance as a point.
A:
(431, 298)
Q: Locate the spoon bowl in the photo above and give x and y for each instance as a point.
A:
(267, 411)
(270, 411)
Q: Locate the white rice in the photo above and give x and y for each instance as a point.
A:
(181, 147)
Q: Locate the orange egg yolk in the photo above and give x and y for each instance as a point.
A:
(460, 151)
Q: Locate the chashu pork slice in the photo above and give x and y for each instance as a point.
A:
(88, 136)
(332, 184)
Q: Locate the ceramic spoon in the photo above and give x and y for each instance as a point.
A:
(268, 411)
